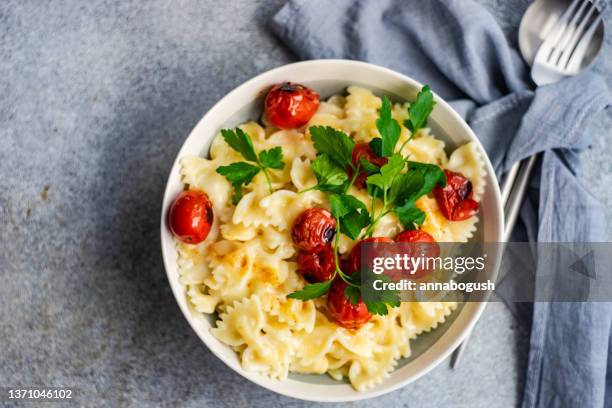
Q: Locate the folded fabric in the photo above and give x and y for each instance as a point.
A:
(458, 48)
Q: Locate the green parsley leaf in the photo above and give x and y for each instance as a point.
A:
(368, 167)
(239, 174)
(388, 127)
(352, 214)
(404, 187)
(352, 294)
(237, 194)
(410, 215)
(432, 176)
(334, 143)
(378, 300)
(376, 146)
(272, 159)
(238, 140)
(330, 176)
(419, 110)
(377, 308)
(311, 291)
(355, 278)
(388, 172)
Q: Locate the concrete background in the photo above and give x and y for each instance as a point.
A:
(95, 100)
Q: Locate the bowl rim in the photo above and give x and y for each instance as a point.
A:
(172, 268)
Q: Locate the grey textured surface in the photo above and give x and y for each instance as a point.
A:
(95, 101)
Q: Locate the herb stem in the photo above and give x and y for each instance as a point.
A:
(355, 175)
(308, 189)
(337, 270)
(268, 179)
(405, 143)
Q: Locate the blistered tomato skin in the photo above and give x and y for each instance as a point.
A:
(363, 150)
(289, 106)
(316, 266)
(191, 216)
(342, 311)
(425, 246)
(314, 229)
(354, 260)
(455, 199)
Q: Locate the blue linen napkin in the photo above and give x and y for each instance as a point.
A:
(458, 48)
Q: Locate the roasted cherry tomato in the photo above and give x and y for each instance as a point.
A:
(424, 246)
(455, 200)
(316, 266)
(314, 229)
(354, 260)
(290, 106)
(363, 150)
(341, 309)
(191, 216)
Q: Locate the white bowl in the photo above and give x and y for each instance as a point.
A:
(330, 77)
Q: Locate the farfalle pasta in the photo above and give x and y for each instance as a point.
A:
(245, 269)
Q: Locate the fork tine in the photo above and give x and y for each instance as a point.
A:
(579, 52)
(566, 34)
(573, 40)
(551, 36)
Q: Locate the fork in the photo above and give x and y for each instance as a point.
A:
(566, 43)
(560, 55)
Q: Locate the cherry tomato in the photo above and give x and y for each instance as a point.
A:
(424, 246)
(314, 229)
(289, 105)
(455, 200)
(354, 260)
(363, 150)
(191, 216)
(316, 266)
(341, 310)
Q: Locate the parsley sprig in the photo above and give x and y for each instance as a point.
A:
(418, 112)
(398, 185)
(242, 173)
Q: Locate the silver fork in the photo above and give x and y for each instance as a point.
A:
(566, 43)
(560, 55)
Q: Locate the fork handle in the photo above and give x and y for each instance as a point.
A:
(513, 190)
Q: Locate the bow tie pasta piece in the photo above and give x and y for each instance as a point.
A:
(294, 314)
(192, 263)
(283, 206)
(265, 336)
(426, 149)
(202, 301)
(426, 316)
(330, 113)
(367, 373)
(324, 119)
(302, 176)
(278, 242)
(201, 174)
(241, 323)
(388, 226)
(361, 113)
(249, 213)
(239, 232)
(221, 153)
(441, 228)
(294, 143)
(270, 355)
(245, 269)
